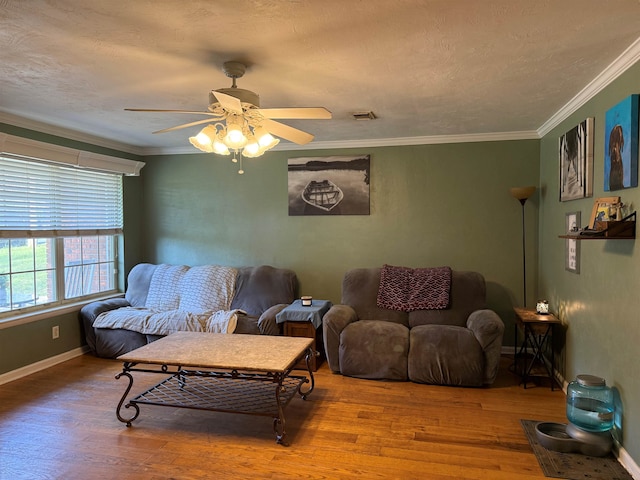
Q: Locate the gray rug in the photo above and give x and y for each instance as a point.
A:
(573, 466)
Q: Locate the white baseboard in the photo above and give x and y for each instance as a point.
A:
(42, 364)
(628, 463)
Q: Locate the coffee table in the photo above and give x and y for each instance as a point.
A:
(248, 374)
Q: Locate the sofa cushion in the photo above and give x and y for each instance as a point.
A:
(360, 291)
(258, 288)
(207, 288)
(163, 289)
(445, 355)
(468, 294)
(374, 349)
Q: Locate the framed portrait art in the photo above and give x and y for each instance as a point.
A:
(572, 246)
(621, 145)
(576, 162)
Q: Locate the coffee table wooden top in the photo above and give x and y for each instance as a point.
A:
(261, 353)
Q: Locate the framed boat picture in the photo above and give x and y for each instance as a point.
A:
(337, 185)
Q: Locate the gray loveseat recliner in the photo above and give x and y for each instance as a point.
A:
(459, 345)
(261, 292)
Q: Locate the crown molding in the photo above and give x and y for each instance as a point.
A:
(620, 65)
(374, 142)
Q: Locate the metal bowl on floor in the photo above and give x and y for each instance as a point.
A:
(564, 438)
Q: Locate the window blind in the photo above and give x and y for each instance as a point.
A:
(44, 200)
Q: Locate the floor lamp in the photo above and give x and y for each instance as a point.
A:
(522, 194)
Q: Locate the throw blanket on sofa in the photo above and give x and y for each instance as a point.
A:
(152, 322)
(181, 298)
(409, 289)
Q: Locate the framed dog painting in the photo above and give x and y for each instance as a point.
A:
(576, 162)
(621, 145)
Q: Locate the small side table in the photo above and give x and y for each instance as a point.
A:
(538, 334)
(303, 321)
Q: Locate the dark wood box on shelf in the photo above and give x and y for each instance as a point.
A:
(617, 229)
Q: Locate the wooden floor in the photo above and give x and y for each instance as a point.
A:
(61, 423)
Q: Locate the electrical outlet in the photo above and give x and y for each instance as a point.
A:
(55, 332)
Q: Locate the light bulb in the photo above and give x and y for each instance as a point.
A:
(220, 148)
(234, 138)
(203, 140)
(265, 139)
(252, 148)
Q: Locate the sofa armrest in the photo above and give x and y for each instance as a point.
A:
(90, 312)
(488, 328)
(333, 322)
(267, 321)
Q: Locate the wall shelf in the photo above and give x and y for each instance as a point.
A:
(624, 229)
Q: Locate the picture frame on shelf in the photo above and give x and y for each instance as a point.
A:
(572, 245)
(575, 151)
(602, 210)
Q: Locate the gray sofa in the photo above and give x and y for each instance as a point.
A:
(261, 292)
(458, 345)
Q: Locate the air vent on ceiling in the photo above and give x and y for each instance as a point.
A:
(364, 115)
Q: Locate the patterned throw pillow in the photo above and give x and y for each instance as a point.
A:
(207, 288)
(163, 289)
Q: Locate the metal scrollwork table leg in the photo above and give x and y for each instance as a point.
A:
(125, 373)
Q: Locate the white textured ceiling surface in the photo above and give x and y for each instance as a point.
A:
(425, 68)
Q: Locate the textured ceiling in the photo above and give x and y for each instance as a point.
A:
(425, 68)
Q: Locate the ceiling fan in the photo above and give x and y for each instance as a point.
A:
(238, 124)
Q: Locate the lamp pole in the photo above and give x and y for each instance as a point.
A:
(524, 257)
(522, 194)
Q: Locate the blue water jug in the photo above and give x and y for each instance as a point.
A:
(590, 404)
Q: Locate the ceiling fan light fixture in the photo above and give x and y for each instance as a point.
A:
(265, 139)
(238, 124)
(235, 137)
(220, 148)
(204, 139)
(252, 148)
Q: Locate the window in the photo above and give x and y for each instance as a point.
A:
(59, 231)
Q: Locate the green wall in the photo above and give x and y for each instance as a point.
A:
(599, 307)
(431, 205)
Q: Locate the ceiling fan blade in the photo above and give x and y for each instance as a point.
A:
(285, 131)
(299, 113)
(168, 111)
(229, 103)
(185, 125)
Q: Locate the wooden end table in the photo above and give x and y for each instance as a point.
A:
(537, 332)
(305, 321)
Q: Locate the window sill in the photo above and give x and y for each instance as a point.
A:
(22, 318)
